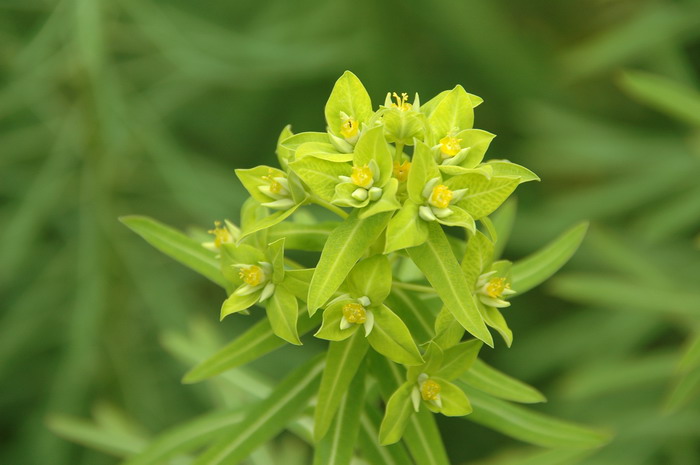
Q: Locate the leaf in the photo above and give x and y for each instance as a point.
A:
(507, 168)
(398, 410)
(494, 318)
(337, 446)
(454, 401)
(267, 418)
(283, 311)
(350, 97)
(322, 150)
(94, 436)
(529, 426)
(423, 169)
(372, 451)
(308, 237)
(342, 362)
(268, 221)
(436, 260)
(663, 94)
(413, 311)
(251, 345)
(405, 229)
(344, 247)
(254, 178)
(237, 303)
(320, 175)
(497, 384)
(484, 195)
(391, 338)
(371, 277)
(452, 114)
(178, 246)
(538, 267)
(503, 220)
(477, 258)
(458, 359)
(276, 253)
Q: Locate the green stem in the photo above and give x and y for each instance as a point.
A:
(329, 206)
(414, 287)
(399, 152)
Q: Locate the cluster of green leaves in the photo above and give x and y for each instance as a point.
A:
(370, 281)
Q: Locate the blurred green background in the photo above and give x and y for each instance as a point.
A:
(113, 107)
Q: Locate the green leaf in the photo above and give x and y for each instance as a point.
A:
(423, 169)
(478, 142)
(371, 277)
(387, 202)
(308, 237)
(458, 359)
(484, 195)
(372, 451)
(94, 436)
(276, 253)
(391, 338)
(452, 114)
(344, 247)
(664, 94)
(477, 258)
(330, 328)
(372, 146)
(436, 260)
(283, 311)
(413, 311)
(350, 97)
(237, 303)
(454, 401)
(338, 445)
(297, 282)
(497, 384)
(494, 318)
(448, 331)
(284, 154)
(529, 426)
(507, 168)
(538, 267)
(268, 221)
(253, 178)
(257, 341)
(342, 362)
(293, 142)
(398, 410)
(267, 418)
(322, 150)
(178, 246)
(321, 176)
(405, 229)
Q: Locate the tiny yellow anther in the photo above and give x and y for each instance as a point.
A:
(430, 390)
(221, 235)
(401, 170)
(252, 275)
(349, 128)
(496, 286)
(450, 146)
(401, 102)
(354, 313)
(362, 176)
(441, 196)
(275, 186)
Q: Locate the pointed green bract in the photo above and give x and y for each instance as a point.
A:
(405, 229)
(321, 176)
(397, 414)
(484, 195)
(344, 247)
(454, 401)
(458, 359)
(506, 168)
(391, 338)
(283, 311)
(453, 114)
(348, 96)
(497, 384)
(371, 277)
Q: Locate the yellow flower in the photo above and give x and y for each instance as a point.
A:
(441, 196)
(362, 176)
(430, 390)
(450, 146)
(496, 286)
(401, 170)
(355, 313)
(401, 102)
(221, 235)
(349, 128)
(252, 275)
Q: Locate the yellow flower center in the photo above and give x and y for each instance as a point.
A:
(355, 313)
(349, 128)
(221, 235)
(401, 102)
(496, 286)
(441, 196)
(252, 275)
(430, 390)
(450, 146)
(275, 186)
(401, 170)
(361, 176)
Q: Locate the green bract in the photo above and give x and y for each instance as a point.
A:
(395, 177)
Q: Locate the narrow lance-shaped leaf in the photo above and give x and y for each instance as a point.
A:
(343, 249)
(178, 246)
(372, 451)
(266, 419)
(436, 260)
(538, 267)
(342, 362)
(493, 382)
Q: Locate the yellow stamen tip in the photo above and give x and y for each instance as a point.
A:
(354, 313)
(401, 170)
(430, 390)
(401, 102)
(496, 286)
(252, 275)
(362, 176)
(349, 128)
(441, 196)
(450, 146)
(221, 235)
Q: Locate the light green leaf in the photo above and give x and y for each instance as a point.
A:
(342, 362)
(322, 150)
(478, 142)
(538, 267)
(477, 257)
(372, 451)
(276, 253)
(413, 311)
(387, 202)
(398, 410)
(529, 426)
(308, 237)
(460, 218)
(371, 277)
(391, 338)
(372, 146)
(350, 97)
(253, 178)
(330, 328)
(452, 114)
(267, 418)
(484, 195)
(497, 384)
(405, 229)
(297, 282)
(458, 359)
(448, 331)
(268, 221)
(338, 445)
(177, 246)
(94, 436)
(283, 311)
(284, 154)
(436, 260)
(423, 169)
(293, 142)
(507, 168)
(237, 303)
(321, 176)
(344, 247)
(257, 341)
(454, 401)
(494, 318)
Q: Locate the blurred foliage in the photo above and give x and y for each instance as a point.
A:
(142, 106)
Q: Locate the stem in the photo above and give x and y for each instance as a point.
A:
(329, 206)
(399, 152)
(414, 287)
